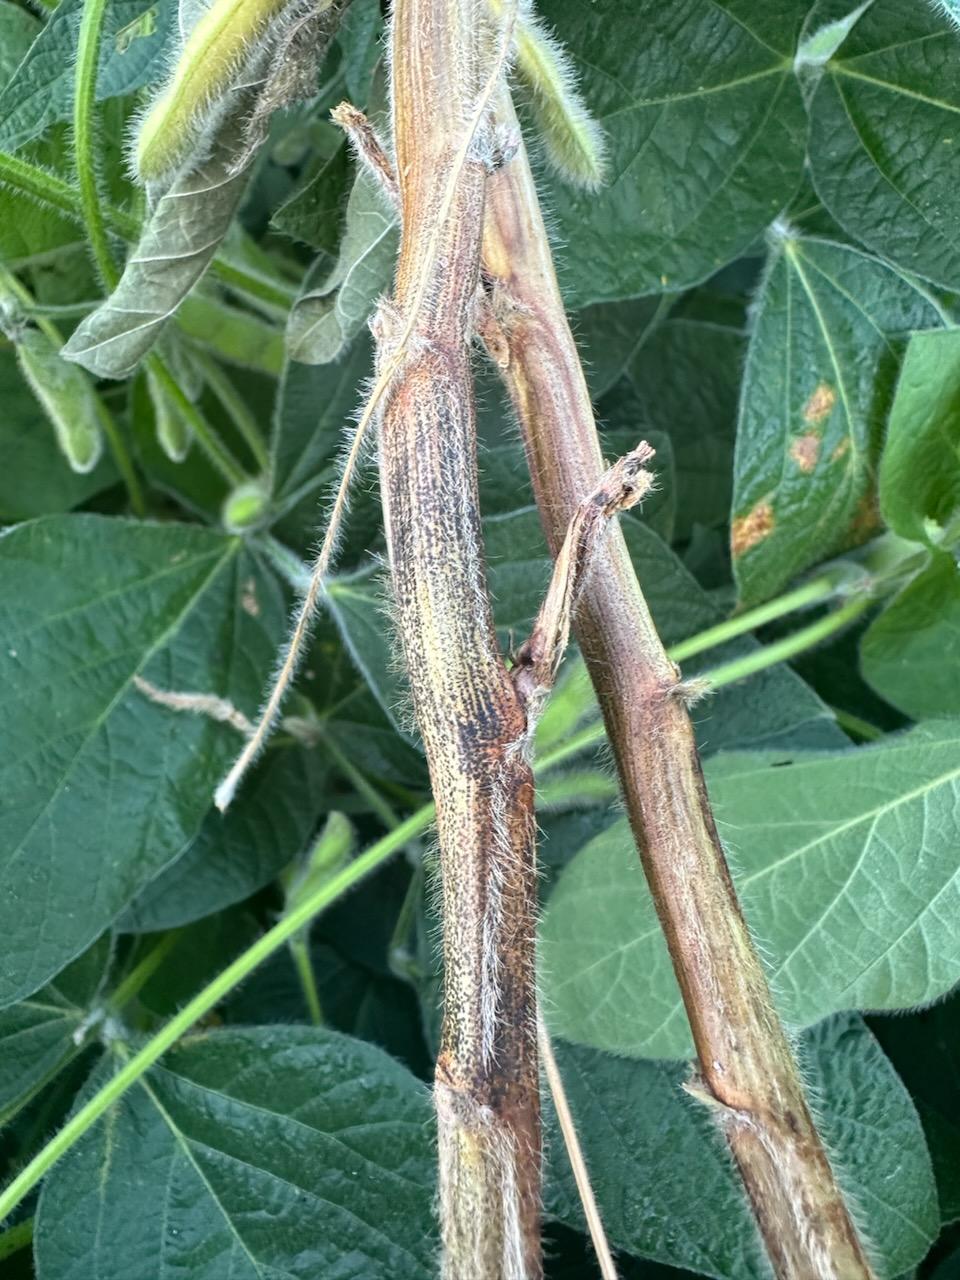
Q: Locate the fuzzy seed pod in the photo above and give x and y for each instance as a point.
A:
(571, 137)
(68, 399)
(173, 433)
(214, 54)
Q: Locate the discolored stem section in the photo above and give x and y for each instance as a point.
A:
(747, 1071)
(471, 716)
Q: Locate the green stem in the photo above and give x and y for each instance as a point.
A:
(121, 457)
(144, 970)
(852, 724)
(300, 951)
(378, 804)
(789, 646)
(207, 999)
(50, 190)
(108, 424)
(16, 1238)
(810, 593)
(84, 139)
(236, 407)
(205, 435)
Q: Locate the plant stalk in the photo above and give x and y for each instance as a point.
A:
(747, 1070)
(471, 716)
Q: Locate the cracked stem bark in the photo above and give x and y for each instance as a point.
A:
(747, 1071)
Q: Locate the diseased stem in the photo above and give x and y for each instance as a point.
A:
(471, 716)
(746, 1065)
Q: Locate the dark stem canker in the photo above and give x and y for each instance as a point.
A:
(472, 720)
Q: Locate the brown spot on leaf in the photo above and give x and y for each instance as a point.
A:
(841, 451)
(746, 531)
(867, 519)
(820, 404)
(805, 450)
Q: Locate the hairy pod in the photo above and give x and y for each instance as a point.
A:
(218, 49)
(173, 432)
(68, 399)
(572, 139)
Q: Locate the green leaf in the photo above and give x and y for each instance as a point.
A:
(201, 951)
(360, 36)
(846, 864)
(237, 853)
(705, 134)
(18, 30)
(610, 334)
(666, 1186)
(26, 228)
(884, 134)
(178, 243)
(920, 465)
(819, 376)
(281, 1151)
(137, 35)
(329, 314)
(38, 1037)
(314, 212)
(925, 1049)
(687, 375)
(907, 654)
(359, 604)
(35, 478)
(354, 998)
(103, 784)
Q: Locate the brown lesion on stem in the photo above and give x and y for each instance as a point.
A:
(472, 719)
(747, 1070)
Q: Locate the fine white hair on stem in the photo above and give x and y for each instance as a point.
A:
(571, 1141)
(395, 359)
